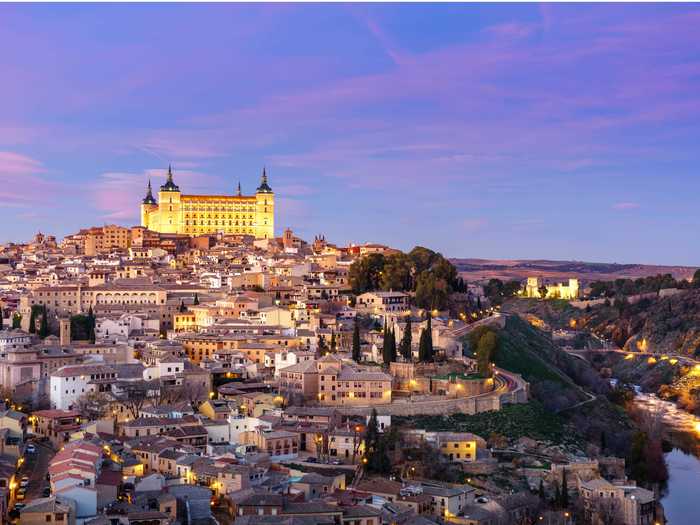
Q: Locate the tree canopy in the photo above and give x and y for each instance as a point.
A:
(424, 271)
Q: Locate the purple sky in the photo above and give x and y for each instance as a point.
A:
(508, 131)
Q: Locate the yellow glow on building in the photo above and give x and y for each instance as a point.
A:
(651, 360)
(194, 215)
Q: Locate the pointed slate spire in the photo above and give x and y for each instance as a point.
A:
(148, 199)
(169, 184)
(264, 187)
(239, 189)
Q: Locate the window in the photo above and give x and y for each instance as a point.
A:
(48, 518)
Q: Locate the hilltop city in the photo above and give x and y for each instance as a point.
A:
(199, 369)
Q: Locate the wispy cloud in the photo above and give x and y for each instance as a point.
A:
(627, 205)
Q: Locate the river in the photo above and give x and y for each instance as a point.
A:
(680, 496)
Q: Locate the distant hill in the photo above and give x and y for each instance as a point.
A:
(506, 269)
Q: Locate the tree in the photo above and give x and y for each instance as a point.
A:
(91, 321)
(406, 341)
(543, 291)
(32, 318)
(485, 350)
(196, 299)
(425, 345)
(356, 348)
(2, 321)
(392, 345)
(16, 320)
(44, 323)
(432, 292)
(397, 273)
(557, 494)
(541, 490)
(133, 395)
(388, 349)
(564, 491)
(182, 308)
(696, 278)
(376, 447)
(334, 344)
(365, 273)
(322, 348)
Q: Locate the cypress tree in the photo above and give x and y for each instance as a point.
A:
(356, 350)
(334, 344)
(16, 320)
(91, 325)
(392, 345)
(423, 347)
(32, 320)
(405, 346)
(541, 491)
(386, 346)
(44, 324)
(2, 321)
(182, 308)
(322, 345)
(564, 492)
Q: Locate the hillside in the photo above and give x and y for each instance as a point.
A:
(664, 324)
(506, 269)
(562, 384)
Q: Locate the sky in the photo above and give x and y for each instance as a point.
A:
(489, 131)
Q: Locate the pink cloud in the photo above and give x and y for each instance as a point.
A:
(626, 206)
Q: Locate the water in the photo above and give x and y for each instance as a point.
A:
(681, 499)
(681, 492)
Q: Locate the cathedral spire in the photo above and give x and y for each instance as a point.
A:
(239, 189)
(264, 187)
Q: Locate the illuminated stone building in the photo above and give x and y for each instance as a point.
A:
(567, 291)
(175, 212)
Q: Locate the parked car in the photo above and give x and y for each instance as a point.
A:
(20, 506)
(24, 482)
(20, 495)
(47, 492)
(31, 448)
(311, 460)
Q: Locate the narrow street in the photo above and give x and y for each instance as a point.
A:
(35, 468)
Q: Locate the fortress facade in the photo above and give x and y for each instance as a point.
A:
(175, 212)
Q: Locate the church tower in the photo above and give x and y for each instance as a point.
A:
(148, 207)
(264, 209)
(169, 206)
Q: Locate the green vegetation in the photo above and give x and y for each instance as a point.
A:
(356, 351)
(429, 274)
(406, 341)
(623, 287)
(483, 341)
(426, 352)
(531, 420)
(496, 290)
(82, 327)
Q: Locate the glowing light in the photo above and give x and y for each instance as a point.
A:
(651, 360)
(664, 358)
(673, 361)
(629, 356)
(697, 427)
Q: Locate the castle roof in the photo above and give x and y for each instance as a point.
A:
(148, 199)
(264, 187)
(169, 184)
